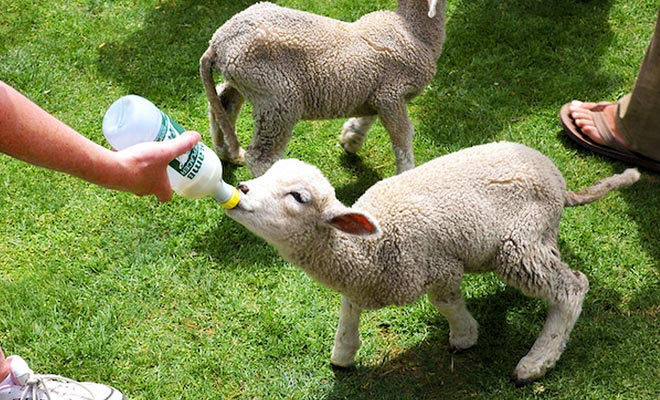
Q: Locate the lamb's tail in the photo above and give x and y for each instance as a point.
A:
(601, 188)
(217, 109)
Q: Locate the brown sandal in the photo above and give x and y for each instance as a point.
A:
(613, 148)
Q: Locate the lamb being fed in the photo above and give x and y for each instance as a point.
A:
(294, 65)
(492, 207)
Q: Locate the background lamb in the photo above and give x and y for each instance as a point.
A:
(294, 65)
(493, 207)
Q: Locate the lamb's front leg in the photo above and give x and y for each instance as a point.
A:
(463, 328)
(347, 339)
(354, 132)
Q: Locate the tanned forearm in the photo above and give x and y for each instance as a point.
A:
(29, 133)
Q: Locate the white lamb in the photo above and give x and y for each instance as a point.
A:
(294, 65)
(494, 207)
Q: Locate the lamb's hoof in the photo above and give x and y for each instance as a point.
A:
(520, 382)
(343, 360)
(341, 368)
(351, 150)
(459, 344)
(238, 159)
(525, 374)
(349, 146)
(350, 139)
(458, 350)
(231, 156)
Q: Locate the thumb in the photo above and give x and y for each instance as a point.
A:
(182, 143)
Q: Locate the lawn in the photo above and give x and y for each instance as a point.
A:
(176, 301)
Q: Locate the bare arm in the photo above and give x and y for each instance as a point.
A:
(29, 133)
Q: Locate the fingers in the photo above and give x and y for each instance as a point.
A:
(176, 147)
(164, 196)
(183, 143)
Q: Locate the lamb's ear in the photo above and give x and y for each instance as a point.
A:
(353, 222)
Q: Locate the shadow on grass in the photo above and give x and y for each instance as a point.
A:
(429, 371)
(504, 59)
(366, 176)
(149, 62)
(509, 325)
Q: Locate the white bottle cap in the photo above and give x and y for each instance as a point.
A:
(131, 120)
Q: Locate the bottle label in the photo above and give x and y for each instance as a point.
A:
(187, 164)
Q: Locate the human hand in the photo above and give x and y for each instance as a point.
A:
(144, 165)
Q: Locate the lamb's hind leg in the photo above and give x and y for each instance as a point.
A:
(541, 273)
(463, 328)
(226, 145)
(273, 126)
(395, 120)
(354, 132)
(347, 339)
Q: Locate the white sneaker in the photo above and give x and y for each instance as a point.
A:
(24, 384)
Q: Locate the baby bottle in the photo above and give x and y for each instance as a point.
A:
(198, 173)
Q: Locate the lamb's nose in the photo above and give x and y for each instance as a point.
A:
(243, 188)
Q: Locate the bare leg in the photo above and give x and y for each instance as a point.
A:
(347, 339)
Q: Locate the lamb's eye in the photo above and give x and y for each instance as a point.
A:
(301, 197)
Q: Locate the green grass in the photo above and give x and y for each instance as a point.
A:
(177, 301)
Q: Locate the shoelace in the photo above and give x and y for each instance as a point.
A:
(35, 382)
